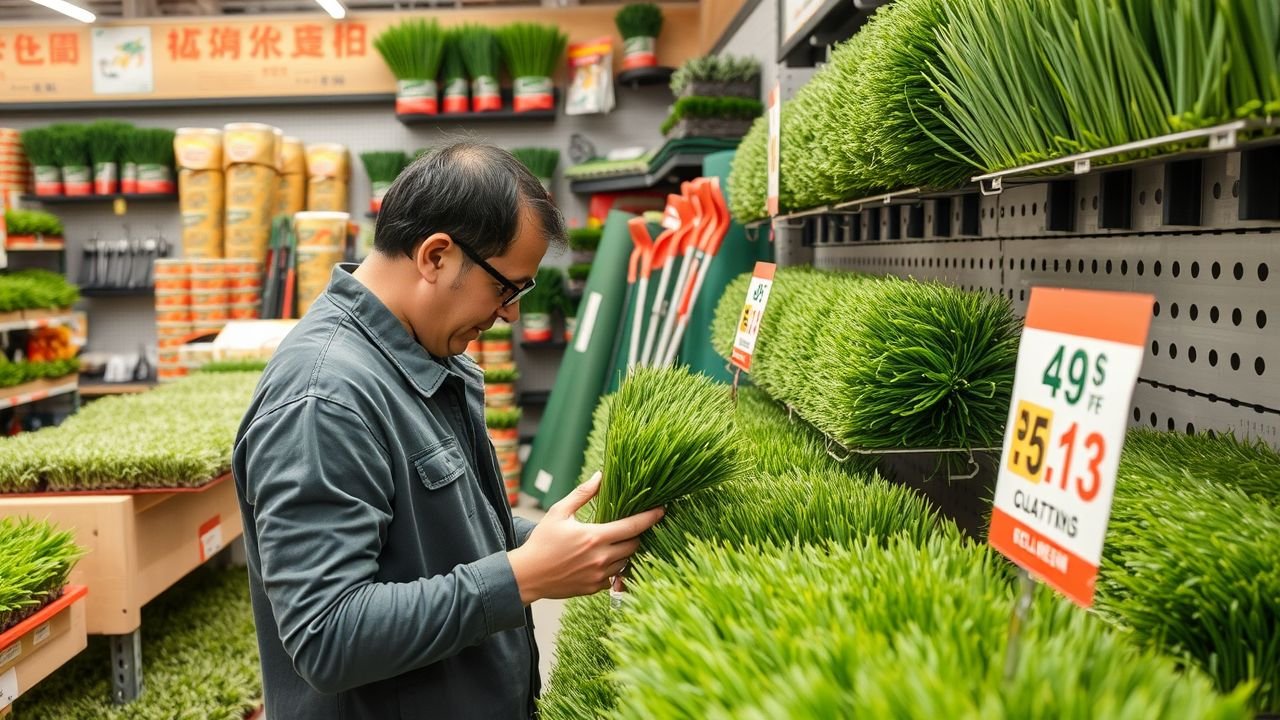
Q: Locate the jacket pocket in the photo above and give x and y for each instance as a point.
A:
(439, 467)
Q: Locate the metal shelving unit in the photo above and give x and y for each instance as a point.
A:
(682, 166)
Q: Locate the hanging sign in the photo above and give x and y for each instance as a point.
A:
(1077, 367)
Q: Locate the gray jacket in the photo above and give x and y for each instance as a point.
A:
(377, 527)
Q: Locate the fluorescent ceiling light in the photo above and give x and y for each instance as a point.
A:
(66, 8)
(333, 7)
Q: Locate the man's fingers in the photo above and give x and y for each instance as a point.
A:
(580, 496)
(630, 527)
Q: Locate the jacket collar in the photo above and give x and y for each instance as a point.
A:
(384, 329)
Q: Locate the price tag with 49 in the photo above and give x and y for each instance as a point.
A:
(1077, 367)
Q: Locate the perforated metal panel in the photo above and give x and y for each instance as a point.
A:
(1172, 229)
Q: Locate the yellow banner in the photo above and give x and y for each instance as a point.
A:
(223, 57)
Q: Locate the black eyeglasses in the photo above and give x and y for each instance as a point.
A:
(516, 291)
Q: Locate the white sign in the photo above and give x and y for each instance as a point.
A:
(795, 13)
(744, 344)
(210, 538)
(775, 150)
(8, 688)
(122, 61)
(1077, 367)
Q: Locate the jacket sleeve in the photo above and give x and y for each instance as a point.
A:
(524, 527)
(320, 487)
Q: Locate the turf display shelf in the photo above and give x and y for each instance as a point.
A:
(640, 77)
(35, 391)
(104, 292)
(34, 243)
(507, 113)
(34, 648)
(103, 389)
(32, 320)
(92, 199)
(681, 166)
(138, 546)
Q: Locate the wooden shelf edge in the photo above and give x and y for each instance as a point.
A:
(36, 391)
(38, 646)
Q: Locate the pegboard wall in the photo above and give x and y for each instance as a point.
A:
(1202, 235)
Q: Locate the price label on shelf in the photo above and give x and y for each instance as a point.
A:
(210, 538)
(744, 344)
(8, 688)
(1077, 367)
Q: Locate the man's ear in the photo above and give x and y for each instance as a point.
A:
(431, 257)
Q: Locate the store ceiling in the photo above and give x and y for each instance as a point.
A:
(25, 10)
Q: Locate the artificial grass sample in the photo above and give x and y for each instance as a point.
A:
(715, 69)
(36, 290)
(233, 366)
(585, 239)
(876, 630)
(541, 161)
(35, 560)
(716, 108)
(531, 49)
(547, 293)
(17, 373)
(412, 49)
(639, 20)
(670, 433)
(177, 435)
(1192, 559)
(882, 362)
(31, 222)
(201, 660)
(384, 166)
(749, 174)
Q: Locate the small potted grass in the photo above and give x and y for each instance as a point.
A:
(495, 345)
(532, 53)
(106, 147)
(536, 307)
(36, 559)
(383, 167)
(578, 274)
(479, 48)
(41, 148)
(583, 243)
(503, 427)
(717, 117)
(413, 50)
(73, 158)
(639, 24)
(541, 161)
(717, 76)
(500, 387)
(569, 306)
(455, 75)
(32, 227)
(151, 152)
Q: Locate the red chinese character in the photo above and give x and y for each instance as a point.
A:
(266, 42)
(64, 49)
(224, 42)
(28, 50)
(182, 44)
(308, 41)
(350, 40)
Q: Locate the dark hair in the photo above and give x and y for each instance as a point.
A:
(474, 193)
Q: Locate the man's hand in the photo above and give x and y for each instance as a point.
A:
(565, 558)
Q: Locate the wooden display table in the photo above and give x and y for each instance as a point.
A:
(138, 546)
(31, 650)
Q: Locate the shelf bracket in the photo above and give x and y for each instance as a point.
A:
(126, 667)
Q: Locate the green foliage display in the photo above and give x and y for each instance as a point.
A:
(501, 375)
(177, 435)
(719, 69)
(17, 373)
(201, 660)
(106, 139)
(1191, 561)
(412, 49)
(639, 20)
(36, 289)
(579, 271)
(383, 166)
(40, 146)
(882, 362)
(546, 293)
(719, 108)
(585, 239)
(670, 434)
(497, 332)
(502, 419)
(541, 161)
(897, 630)
(531, 49)
(233, 366)
(71, 144)
(31, 222)
(748, 184)
(150, 146)
(35, 560)
(480, 52)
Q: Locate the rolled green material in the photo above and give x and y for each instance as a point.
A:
(737, 255)
(552, 469)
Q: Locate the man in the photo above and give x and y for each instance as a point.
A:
(388, 577)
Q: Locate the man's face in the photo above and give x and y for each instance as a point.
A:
(475, 296)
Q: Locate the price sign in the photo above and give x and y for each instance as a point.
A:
(210, 538)
(744, 344)
(774, 168)
(1077, 367)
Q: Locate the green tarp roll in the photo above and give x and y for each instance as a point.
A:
(738, 255)
(552, 469)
